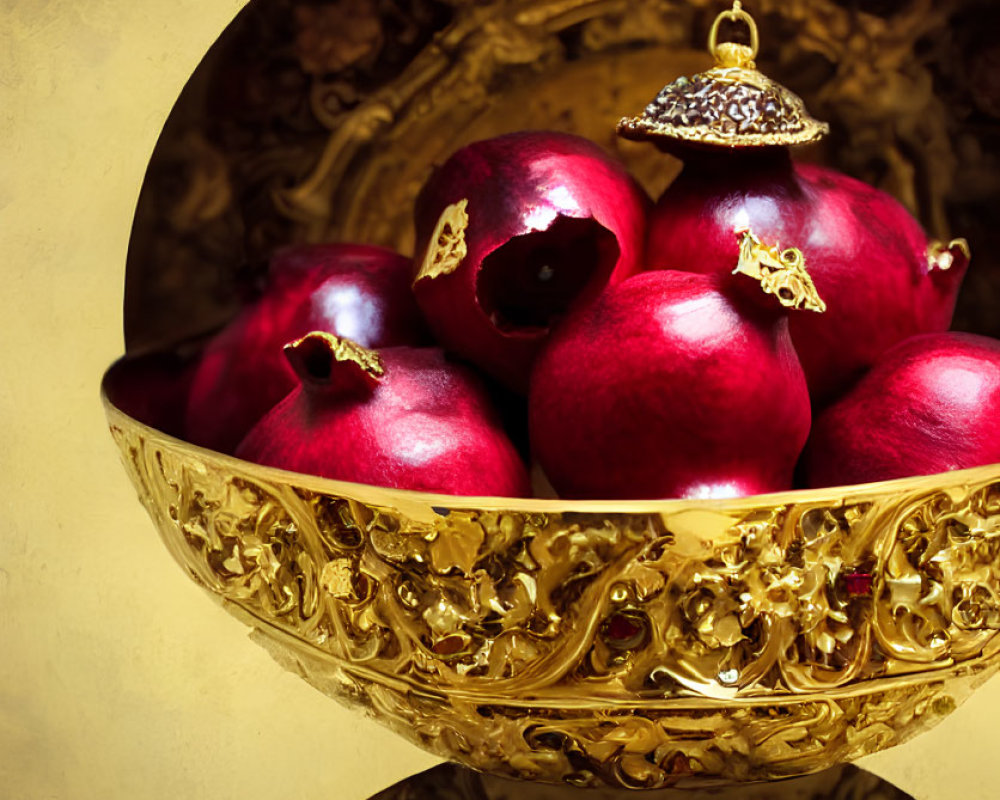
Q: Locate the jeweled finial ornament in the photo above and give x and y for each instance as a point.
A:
(730, 105)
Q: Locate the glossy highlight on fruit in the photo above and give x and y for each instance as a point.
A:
(400, 417)
(872, 263)
(671, 384)
(358, 291)
(514, 231)
(931, 404)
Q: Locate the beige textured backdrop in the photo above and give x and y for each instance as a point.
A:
(118, 677)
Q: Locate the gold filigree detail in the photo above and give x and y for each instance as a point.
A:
(780, 272)
(336, 578)
(447, 245)
(644, 747)
(636, 644)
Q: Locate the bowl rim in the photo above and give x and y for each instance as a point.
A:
(442, 504)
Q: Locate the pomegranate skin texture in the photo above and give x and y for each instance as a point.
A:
(870, 260)
(358, 291)
(931, 404)
(670, 385)
(514, 231)
(400, 417)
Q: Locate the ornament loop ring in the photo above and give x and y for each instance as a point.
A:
(736, 14)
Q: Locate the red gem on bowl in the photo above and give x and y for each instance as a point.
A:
(625, 630)
(449, 646)
(858, 584)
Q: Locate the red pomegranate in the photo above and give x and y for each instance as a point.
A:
(872, 263)
(511, 233)
(930, 404)
(671, 384)
(153, 388)
(401, 417)
(358, 291)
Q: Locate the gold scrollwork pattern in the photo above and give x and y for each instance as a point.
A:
(676, 644)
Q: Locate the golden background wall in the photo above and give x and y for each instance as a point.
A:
(118, 677)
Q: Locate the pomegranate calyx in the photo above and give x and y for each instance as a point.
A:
(447, 247)
(327, 362)
(781, 273)
(943, 257)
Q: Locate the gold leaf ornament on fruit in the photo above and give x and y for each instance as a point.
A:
(780, 272)
(447, 246)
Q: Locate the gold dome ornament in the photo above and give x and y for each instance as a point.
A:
(730, 105)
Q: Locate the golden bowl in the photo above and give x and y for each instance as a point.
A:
(639, 644)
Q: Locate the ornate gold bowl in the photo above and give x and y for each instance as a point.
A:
(639, 644)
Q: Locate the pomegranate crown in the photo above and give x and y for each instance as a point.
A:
(325, 361)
